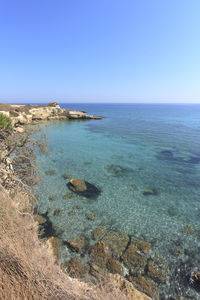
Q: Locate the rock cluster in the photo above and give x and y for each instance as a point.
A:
(123, 256)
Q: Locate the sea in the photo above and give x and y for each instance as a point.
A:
(145, 159)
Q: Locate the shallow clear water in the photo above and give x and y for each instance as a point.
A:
(155, 147)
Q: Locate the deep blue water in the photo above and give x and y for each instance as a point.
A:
(151, 146)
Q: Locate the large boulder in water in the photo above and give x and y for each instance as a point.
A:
(83, 188)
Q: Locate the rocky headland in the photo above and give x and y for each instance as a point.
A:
(21, 114)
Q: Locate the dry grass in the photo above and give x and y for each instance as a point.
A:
(27, 270)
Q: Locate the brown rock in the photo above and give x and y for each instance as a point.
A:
(96, 271)
(116, 242)
(53, 246)
(66, 176)
(68, 196)
(145, 285)
(155, 272)
(189, 230)
(98, 232)
(90, 216)
(57, 212)
(195, 277)
(134, 260)
(78, 185)
(72, 212)
(114, 266)
(50, 172)
(77, 244)
(76, 269)
(100, 253)
(127, 288)
(141, 245)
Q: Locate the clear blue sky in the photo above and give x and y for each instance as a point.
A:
(100, 50)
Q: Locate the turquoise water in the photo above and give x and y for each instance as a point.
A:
(152, 147)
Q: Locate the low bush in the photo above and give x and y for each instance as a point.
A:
(5, 122)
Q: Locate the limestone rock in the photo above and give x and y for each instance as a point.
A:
(127, 288)
(141, 245)
(76, 269)
(68, 196)
(66, 176)
(114, 266)
(90, 216)
(134, 260)
(195, 278)
(145, 285)
(155, 272)
(83, 188)
(53, 246)
(116, 242)
(19, 129)
(77, 244)
(189, 230)
(98, 232)
(50, 172)
(57, 212)
(100, 254)
(78, 185)
(150, 192)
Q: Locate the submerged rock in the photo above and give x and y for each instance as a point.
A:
(141, 245)
(155, 272)
(57, 212)
(76, 244)
(68, 196)
(66, 176)
(90, 216)
(100, 254)
(195, 278)
(87, 163)
(117, 170)
(145, 285)
(83, 188)
(72, 212)
(77, 207)
(52, 197)
(189, 230)
(134, 260)
(116, 242)
(150, 192)
(76, 269)
(98, 232)
(114, 266)
(50, 172)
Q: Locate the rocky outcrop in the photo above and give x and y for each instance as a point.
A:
(26, 114)
(77, 244)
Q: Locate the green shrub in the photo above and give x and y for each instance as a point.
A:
(5, 122)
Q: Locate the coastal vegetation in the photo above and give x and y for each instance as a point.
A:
(5, 122)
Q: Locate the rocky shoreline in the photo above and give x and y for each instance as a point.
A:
(110, 255)
(17, 175)
(21, 114)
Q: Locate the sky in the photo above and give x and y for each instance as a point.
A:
(100, 51)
